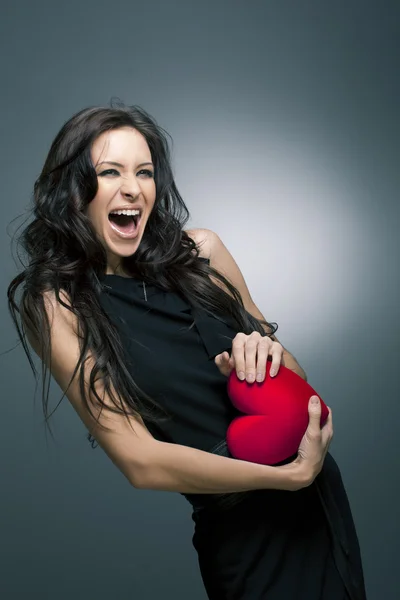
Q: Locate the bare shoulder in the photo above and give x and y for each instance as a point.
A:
(222, 261)
(57, 315)
(204, 240)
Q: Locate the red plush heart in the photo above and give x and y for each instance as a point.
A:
(276, 416)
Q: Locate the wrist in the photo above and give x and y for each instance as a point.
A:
(295, 475)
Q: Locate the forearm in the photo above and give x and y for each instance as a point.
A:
(177, 468)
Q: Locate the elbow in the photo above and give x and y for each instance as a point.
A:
(139, 473)
(145, 479)
(137, 477)
(134, 483)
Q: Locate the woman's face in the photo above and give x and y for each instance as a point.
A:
(127, 185)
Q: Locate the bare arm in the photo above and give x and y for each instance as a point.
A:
(146, 462)
(176, 468)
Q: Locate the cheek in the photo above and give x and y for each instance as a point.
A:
(151, 192)
(95, 214)
(97, 206)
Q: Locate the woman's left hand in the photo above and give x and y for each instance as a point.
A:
(249, 357)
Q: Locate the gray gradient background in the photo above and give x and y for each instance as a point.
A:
(286, 126)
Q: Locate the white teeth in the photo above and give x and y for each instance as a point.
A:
(129, 213)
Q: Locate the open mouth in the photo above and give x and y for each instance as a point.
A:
(125, 225)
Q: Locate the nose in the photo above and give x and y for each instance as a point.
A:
(130, 187)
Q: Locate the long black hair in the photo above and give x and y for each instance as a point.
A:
(65, 254)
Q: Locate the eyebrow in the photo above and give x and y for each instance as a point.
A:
(117, 164)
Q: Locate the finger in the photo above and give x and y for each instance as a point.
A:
(250, 354)
(276, 353)
(314, 412)
(218, 359)
(238, 345)
(228, 360)
(327, 436)
(327, 429)
(222, 360)
(262, 358)
(223, 363)
(328, 423)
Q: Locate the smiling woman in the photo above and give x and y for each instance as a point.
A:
(130, 324)
(126, 150)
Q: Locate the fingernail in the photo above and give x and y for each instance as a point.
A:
(259, 377)
(272, 372)
(314, 399)
(241, 375)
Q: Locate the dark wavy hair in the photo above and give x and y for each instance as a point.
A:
(65, 254)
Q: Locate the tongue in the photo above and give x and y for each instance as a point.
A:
(123, 223)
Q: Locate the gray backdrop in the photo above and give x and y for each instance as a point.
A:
(285, 124)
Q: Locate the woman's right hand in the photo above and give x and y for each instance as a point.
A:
(313, 446)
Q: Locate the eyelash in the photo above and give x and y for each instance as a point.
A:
(149, 173)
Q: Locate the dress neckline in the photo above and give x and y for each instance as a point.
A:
(107, 275)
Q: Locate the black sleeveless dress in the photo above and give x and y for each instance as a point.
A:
(265, 544)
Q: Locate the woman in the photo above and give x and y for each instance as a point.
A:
(142, 322)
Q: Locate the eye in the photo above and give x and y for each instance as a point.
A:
(103, 173)
(147, 172)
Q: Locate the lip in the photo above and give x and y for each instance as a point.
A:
(127, 236)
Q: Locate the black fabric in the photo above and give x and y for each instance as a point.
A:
(265, 544)
(276, 545)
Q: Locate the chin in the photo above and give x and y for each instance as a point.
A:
(123, 248)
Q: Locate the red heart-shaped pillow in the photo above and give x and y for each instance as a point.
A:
(275, 416)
